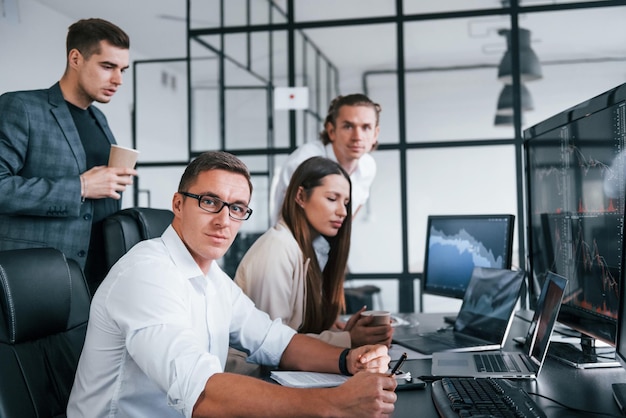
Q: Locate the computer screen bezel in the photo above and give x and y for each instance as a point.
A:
(601, 328)
(620, 337)
(619, 389)
(508, 254)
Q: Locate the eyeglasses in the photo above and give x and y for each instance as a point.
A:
(214, 205)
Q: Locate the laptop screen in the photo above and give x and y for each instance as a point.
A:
(489, 303)
(542, 324)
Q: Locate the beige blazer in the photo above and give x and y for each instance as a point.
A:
(273, 272)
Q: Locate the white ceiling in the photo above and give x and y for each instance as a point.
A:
(156, 27)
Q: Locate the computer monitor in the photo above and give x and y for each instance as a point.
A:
(455, 244)
(619, 389)
(575, 176)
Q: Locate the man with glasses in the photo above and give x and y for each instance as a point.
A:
(55, 186)
(237, 211)
(162, 321)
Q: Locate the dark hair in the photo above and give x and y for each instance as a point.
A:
(324, 290)
(213, 160)
(338, 102)
(86, 34)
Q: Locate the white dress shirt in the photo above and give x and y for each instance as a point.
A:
(159, 328)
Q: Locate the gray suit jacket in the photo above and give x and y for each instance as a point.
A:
(41, 158)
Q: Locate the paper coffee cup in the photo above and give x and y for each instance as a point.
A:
(122, 157)
(380, 317)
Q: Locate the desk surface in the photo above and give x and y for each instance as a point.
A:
(588, 389)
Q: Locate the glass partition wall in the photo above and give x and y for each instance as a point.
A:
(457, 83)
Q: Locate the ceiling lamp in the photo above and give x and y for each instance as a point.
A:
(504, 120)
(505, 101)
(530, 68)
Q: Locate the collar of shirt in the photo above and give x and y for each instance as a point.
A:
(184, 261)
(330, 154)
(322, 248)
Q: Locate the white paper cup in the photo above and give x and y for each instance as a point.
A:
(380, 317)
(122, 157)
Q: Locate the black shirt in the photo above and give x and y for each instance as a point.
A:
(97, 148)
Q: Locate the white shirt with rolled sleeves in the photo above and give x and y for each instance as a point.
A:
(159, 328)
(361, 179)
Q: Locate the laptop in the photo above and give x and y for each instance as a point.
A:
(510, 364)
(484, 320)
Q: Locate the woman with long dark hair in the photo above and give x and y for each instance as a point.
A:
(292, 275)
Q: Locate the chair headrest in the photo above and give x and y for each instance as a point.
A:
(35, 293)
(152, 222)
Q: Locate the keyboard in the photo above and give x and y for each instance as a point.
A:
(494, 363)
(466, 397)
(453, 339)
(430, 343)
(447, 338)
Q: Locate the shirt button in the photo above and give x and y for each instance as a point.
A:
(87, 217)
(81, 253)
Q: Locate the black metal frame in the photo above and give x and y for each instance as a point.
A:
(513, 10)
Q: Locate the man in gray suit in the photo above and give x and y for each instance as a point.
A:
(55, 187)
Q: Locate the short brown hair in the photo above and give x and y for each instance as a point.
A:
(213, 160)
(86, 34)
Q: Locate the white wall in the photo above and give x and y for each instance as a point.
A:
(33, 57)
(33, 48)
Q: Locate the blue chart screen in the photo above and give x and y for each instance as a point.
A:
(456, 246)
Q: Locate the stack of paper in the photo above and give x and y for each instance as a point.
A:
(308, 379)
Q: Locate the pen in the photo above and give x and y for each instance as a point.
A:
(398, 364)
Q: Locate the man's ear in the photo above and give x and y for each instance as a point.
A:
(177, 203)
(375, 143)
(330, 130)
(74, 58)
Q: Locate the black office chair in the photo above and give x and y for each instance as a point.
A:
(127, 227)
(44, 307)
(359, 296)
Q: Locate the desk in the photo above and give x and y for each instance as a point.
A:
(585, 389)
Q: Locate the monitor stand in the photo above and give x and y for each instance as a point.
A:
(584, 355)
(619, 393)
(449, 319)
